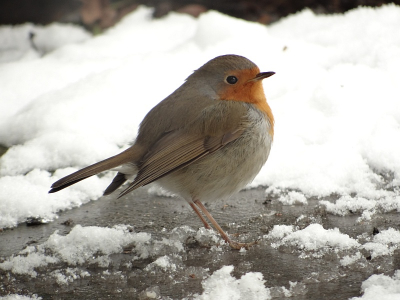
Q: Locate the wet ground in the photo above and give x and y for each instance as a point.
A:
(248, 216)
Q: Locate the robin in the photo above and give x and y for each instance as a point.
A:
(206, 140)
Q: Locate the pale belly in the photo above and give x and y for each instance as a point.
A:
(227, 170)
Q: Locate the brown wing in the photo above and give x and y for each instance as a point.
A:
(176, 150)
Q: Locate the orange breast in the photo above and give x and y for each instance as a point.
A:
(250, 92)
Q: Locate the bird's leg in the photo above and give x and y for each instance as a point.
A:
(233, 244)
(206, 225)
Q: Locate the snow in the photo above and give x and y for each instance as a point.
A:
(163, 262)
(334, 98)
(367, 207)
(293, 198)
(222, 285)
(314, 238)
(315, 241)
(384, 243)
(26, 195)
(77, 99)
(15, 46)
(19, 297)
(381, 287)
(83, 245)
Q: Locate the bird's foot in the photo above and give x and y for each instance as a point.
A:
(237, 246)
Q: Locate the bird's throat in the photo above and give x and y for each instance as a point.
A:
(251, 92)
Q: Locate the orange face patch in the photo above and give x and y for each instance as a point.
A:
(247, 90)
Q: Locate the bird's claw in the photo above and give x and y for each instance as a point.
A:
(238, 246)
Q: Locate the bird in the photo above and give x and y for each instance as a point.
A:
(205, 141)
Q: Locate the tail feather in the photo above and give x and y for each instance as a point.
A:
(107, 164)
(118, 180)
(54, 190)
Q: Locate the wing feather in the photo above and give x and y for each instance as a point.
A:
(177, 150)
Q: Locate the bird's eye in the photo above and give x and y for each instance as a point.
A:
(231, 79)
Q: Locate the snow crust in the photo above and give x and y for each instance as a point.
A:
(315, 241)
(380, 286)
(222, 285)
(83, 245)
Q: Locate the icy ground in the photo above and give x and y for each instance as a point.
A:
(303, 252)
(69, 99)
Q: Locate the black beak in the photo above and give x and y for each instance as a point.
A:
(263, 75)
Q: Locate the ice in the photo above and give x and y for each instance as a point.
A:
(367, 207)
(64, 277)
(163, 262)
(314, 238)
(348, 260)
(19, 297)
(381, 287)
(345, 204)
(207, 236)
(384, 243)
(83, 245)
(222, 285)
(315, 241)
(150, 293)
(295, 288)
(293, 198)
(280, 231)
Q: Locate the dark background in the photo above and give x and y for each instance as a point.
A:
(97, 15)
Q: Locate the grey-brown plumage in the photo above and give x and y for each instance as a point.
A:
(206, 140)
